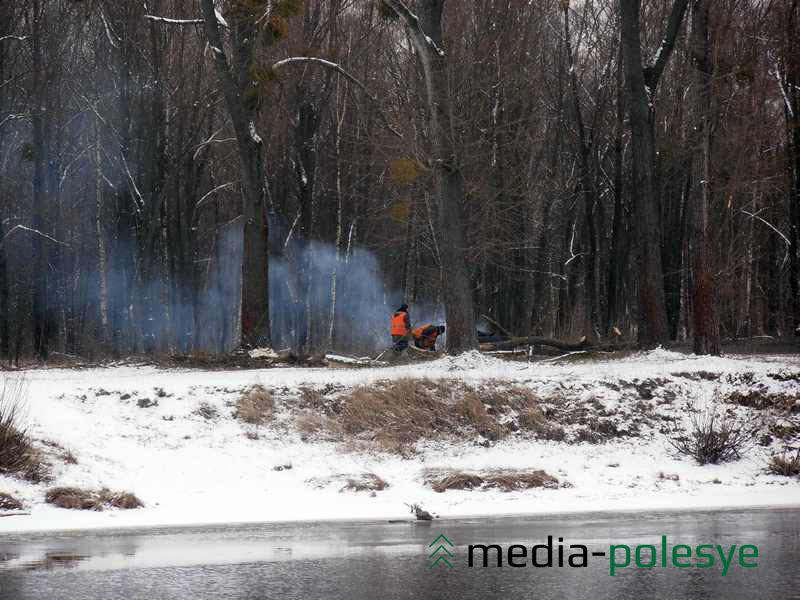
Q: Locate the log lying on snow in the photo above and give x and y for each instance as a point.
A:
(532, 340)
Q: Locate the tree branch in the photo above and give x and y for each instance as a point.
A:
(652, 73)
(412, 22)
(29, 230)
(338, 68)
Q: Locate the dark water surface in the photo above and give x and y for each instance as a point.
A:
(388, 561)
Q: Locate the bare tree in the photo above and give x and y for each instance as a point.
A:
(425, 32)
(706, 322)
(641, 84)
(235, 77)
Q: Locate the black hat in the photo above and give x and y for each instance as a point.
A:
(402, 307)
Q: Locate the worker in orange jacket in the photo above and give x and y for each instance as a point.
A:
(425, 336)
(401, 323)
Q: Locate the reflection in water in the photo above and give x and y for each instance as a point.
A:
(334, 561)
(54, 560)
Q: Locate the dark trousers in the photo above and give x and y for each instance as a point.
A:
(400, 344)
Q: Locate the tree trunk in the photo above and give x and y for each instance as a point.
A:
(793, 147)
(653, 328)
(706, 322)
(426, 35)
(41, 335)
(234, 80)
(5, 304)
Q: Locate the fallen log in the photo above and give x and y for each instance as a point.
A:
(533, 340)
(583, 344)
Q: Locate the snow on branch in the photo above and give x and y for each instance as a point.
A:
(19, 38)
(109, 33)
(33, 231)
(210, 193)
(412, 22)
(768, 224)
(338, 68)
(175, 21)
(654, 71)
(781, 86)
(220, 20)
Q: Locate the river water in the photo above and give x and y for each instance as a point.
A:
(388, 561)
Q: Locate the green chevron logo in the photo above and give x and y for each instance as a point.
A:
(442, 555)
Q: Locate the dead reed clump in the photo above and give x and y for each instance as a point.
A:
(525, 480)
(365, 482)
(506, 481)
(82, 499)
(255, 406)
(8, 502)
(73, 498)
(399, 413)
(309, 423)
(455, 481)
(123, 500)
(785, 465)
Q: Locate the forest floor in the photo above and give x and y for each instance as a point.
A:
(470, 435)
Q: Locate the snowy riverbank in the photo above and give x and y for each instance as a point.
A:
(170, 437)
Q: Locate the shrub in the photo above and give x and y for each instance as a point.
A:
(17, 454)
(714, 438)
(255, 406)
(788, 466)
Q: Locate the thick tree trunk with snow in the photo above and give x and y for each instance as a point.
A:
(425, 31)
(706, 322)
(234, 80)
(640, 88)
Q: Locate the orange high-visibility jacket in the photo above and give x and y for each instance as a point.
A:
(419, 331)
(425, 336)
(400, 323)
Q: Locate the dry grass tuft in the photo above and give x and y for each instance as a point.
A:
(399, 413)
(455, 481)
(123, 500)
(81, 499)
(309, 422)
(761, 399)
(8, 502)
(788, 466)
(360, 482)
(208, 411)
(367, 482)
(73, 498)
(506, 481)
(255, 406)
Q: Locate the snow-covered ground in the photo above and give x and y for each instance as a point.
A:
(190, 469)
